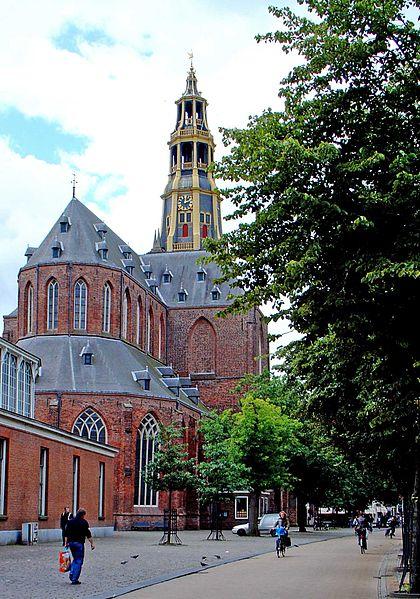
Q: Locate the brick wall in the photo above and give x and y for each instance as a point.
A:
(95, 278)
(122, 416)
(216, 351)
(23, 449)
(10, 328)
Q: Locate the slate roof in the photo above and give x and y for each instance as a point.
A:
(183, 267)
(12, 314)
(82, 241)
(85, 236)
(114, 363)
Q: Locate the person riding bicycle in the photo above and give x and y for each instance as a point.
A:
(362, 529)
(282, 520)
(281, 535)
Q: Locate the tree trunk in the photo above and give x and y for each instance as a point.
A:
(301, 516)
(253, 513)
(415, 548)
(170, 517)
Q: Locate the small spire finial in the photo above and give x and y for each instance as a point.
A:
(74, 181)
(190, 57)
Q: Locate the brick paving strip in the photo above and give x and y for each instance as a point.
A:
(33, 571)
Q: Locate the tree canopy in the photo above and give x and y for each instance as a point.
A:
(331, 183)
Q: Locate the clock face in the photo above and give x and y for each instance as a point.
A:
(185, 202)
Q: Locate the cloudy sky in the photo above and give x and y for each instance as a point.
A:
(90, 85)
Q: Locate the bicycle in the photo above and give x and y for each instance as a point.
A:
(281, 546)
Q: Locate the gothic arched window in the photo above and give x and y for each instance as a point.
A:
(146, 443)
(21, 388)
(138, 322)
(28, 406)
(80, 305)
(126, 308)
(12, 384)
(29, 309)
(149, 331)
(5, 366)
(106, 308)
(202, 347)
(90, 426)
(161, 347)
(52, 305)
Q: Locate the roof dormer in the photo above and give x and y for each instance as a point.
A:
(65, 223)
(87, 354)
(143, 378)
(102, 249)
(101, 229)
(57, 248)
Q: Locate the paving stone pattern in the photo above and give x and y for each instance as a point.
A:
(32, 572)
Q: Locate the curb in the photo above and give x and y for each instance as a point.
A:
(384, 573)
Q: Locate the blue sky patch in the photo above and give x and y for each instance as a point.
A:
(71, 37)
(38, 137)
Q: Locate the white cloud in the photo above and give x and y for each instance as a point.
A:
(123, 101)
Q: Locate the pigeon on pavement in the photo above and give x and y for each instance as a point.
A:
(134, 556)
(203, 564)
(124, 561)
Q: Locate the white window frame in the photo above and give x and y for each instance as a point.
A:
(101, 491)
(76, 482)
(124, 328)
(80, 305)
(52, 305)
(43, 483)
(148, 429)
(3, 471)
(247, 507)
(106, 315)
(30, 310)
(90, 425)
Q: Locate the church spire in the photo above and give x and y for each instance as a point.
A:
(191, 210)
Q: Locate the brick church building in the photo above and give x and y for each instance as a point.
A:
(130, 341)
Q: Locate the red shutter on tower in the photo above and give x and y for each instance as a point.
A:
(185, 230)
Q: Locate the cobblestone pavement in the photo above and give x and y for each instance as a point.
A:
(32, 572)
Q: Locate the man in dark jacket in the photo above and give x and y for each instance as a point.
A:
(64, 518)
(77, 531)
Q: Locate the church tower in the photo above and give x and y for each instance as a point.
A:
(191, 204)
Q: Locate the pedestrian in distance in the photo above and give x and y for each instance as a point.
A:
(64, 518)
(391, 524)
(77, 531)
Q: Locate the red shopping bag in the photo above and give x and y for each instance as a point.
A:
(64, 560)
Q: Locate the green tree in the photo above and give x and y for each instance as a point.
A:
(219, 474)
(332, 184)
(171, 469)
(262, 440)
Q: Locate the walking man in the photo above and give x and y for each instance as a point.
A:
(77, 531)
